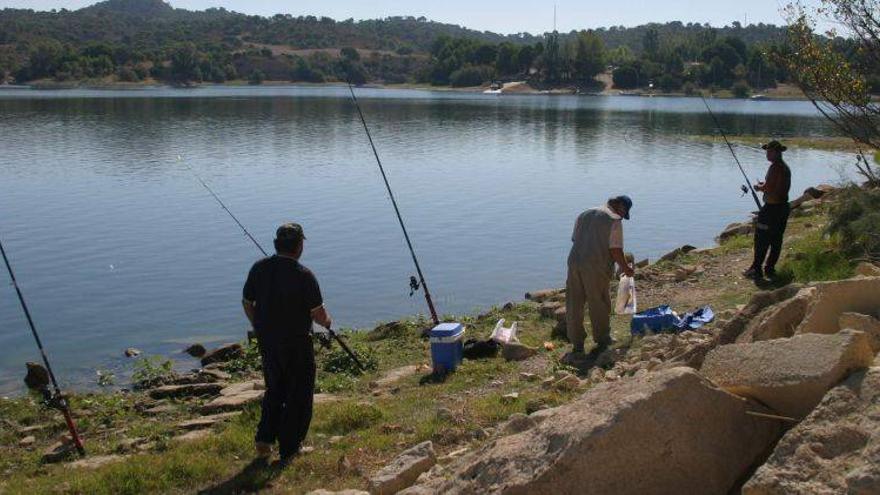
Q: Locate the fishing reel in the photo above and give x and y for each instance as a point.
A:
(414, 286)
(744, 189)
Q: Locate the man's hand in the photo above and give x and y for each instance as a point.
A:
(322, 317)
(628, 270)
(759, 186)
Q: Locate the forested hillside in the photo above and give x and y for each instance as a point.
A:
(135, 40)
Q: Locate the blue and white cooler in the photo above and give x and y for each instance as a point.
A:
(447, 347)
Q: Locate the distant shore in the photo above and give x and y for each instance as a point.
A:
(782, 92)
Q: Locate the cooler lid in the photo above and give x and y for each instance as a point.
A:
(446, 330)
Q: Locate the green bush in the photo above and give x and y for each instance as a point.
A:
(151, 371)
(741, 90)
(470, 76)
(669, 83)
(689, 89)
(336, 360)
(815, 258)
(855, 219)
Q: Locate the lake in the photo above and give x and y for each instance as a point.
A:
(115, 243)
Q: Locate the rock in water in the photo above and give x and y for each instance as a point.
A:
(403, 470)
(614, 439)
(789, 375)
(37, 377)
(196, 350)
(132, 352)
(223, 354)
(834, 450)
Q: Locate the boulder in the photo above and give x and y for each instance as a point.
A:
(856, 295)
(545, 294)
(668, 432)
(862, 323)
(836, 449)
(547, 309)
(132, 352)
(232, 402)
(515, 351)
(185, 390)
(27, 441)
(676, 253)
(789, 375)
(206, 421)
(761, 300)
(780, 320)
(37, 377)
(736, 229)
(403, 470)
(222, 354)
(213, 375)
(196, 350)
(340, 492)
(517, 423)
(866, 269)
(242, 387)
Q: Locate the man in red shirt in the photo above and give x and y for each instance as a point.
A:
(773, 217)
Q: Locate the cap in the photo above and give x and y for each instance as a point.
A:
(774, 145)
(626, 202)
(290, 231)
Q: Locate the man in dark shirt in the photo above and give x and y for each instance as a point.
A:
(773, 217)
(281, 299)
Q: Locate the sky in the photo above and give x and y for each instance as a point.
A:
(502, 16)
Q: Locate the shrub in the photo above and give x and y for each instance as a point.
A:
(815, 258)
(127, 74)
(470, 76)
(151, 371)
(741, 90)
(689, 89)
(669, 83)
(256, 77)
(855, 218)
(625, 77)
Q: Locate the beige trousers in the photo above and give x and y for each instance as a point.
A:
(586, 285)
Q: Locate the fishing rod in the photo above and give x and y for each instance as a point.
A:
(56, 400)
(730, 147)
(413, 283)
(244, 229)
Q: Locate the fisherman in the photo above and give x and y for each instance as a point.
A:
(597, 245)
(773, 216)
(281, 300)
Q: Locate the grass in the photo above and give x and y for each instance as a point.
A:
(815, 258)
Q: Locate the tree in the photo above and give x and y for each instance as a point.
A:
(589, 59)
(185, 64)
(651, 43)
(626, 77)
(837, 87)
(257, 77)
(506, 61)
(552, 59)
(525, 58)
(350, 54)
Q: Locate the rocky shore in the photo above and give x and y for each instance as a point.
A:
(780, 394)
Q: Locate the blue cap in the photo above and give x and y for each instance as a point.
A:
(626, 202)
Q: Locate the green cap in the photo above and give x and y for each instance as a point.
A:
(290, 232)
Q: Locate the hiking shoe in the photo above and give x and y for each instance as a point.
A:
(770, 273)
(573, 358)
(753, 273)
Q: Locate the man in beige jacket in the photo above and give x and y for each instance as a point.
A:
(597, 245)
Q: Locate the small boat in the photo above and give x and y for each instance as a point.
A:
(760, 97)
(493, 92)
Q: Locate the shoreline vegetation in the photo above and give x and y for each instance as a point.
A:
(175, 435)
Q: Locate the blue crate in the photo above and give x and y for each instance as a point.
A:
(447, 348)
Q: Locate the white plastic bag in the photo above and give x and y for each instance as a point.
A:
(504, 335)
(626, 296)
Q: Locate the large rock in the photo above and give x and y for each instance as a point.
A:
(667, 432)
(866, 269)
(403, 470)
(677, 252)
(186, 390)
(232, 402)
(222, 354)
(37, 377)
(789, 375)
(515, 351)
(736, 229)
(836, 449)
(780, 320)
(862, 323)
(545, 294)
(730, 331)
(242, 387)
(856, 295)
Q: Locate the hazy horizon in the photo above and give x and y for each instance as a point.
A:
(506, 17)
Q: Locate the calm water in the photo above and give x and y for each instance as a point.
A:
(115, 244)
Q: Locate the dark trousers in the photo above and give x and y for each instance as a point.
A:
(769, 231)
(289, 371)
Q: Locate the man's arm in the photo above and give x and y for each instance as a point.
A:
(321, 316)
(249, 310)
(620, 259)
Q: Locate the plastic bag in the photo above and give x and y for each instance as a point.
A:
(626, 296)
(504, 335)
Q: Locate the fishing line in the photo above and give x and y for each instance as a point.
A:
(413, 283)
(244, 229)
(56, 400)
(730, 147)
